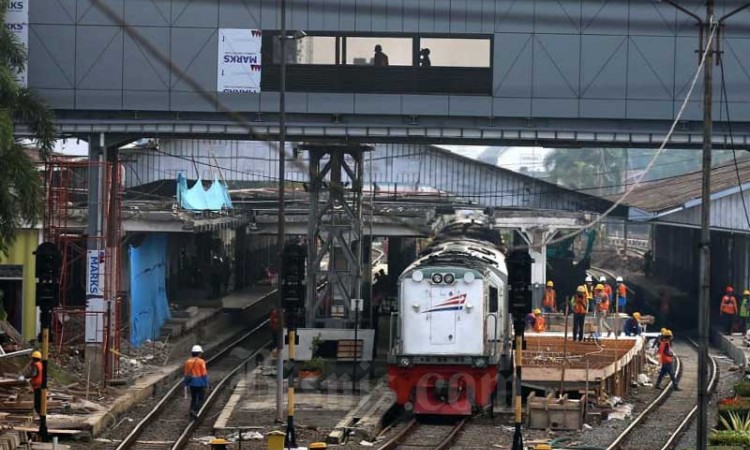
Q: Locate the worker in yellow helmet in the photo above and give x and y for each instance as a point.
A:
(666, 357)
(34, 373)
(745, 310)
(549, 302)
(580, 306)
(633, 325)
(601, 299)
(539, 325)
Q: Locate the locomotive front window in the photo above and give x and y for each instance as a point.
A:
(493, 299)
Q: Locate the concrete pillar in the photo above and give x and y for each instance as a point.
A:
(536, 239)
(94, 276)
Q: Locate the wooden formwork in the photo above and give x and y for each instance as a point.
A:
(610, 365)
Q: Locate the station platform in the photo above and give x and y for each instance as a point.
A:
(246, 298)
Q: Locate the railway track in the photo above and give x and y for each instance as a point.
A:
(661, 424)
(421, 435)
(167, 425)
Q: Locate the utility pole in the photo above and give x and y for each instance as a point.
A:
(48, 266)
(281, 219)
(705, 247)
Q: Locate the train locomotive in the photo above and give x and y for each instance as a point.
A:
(451, 338)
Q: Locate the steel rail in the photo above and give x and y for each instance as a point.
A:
(446, 443)
(132, 437)
(395, 441)
(712, 383)
(451, 438)
(646, 412)
(185, 436)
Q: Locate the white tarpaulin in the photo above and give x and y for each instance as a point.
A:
(95, 307)
(239, 60)
(17, 22)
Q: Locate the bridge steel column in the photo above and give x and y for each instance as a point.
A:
(335, 232)
(536, 239)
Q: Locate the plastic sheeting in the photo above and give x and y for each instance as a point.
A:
(196, 198)
(149, 307)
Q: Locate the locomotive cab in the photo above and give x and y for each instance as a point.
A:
(450, 337)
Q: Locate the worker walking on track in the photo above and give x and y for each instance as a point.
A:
(728, 309)
(666, 357)
(196, 379)
(745, 310)
(549, 302)
(539, 323)
(579, 313)
(34, 373)
(602, 308)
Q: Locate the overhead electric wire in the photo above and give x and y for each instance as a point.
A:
(725, 97)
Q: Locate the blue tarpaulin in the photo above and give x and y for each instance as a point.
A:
(197, 198)
(149, 307)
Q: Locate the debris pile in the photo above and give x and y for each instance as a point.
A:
(137, 362)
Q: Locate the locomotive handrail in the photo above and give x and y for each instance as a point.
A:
(394, 314)
(495, 337)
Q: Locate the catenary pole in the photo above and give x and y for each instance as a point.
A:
(281, 219)
(705, 247)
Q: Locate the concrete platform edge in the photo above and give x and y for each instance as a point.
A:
(738, 354)
(370, 415)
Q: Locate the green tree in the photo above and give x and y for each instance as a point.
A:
(598, 171)
(21, 187)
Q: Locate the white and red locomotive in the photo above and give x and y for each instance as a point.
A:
(452, 336)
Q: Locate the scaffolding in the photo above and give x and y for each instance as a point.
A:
(90, 300)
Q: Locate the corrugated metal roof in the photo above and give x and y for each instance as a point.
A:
(666, 194)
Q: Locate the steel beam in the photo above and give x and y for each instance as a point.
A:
(334, 233)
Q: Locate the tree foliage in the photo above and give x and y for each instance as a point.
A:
(21, 187)
(597, 171)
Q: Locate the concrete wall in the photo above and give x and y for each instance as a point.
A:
(22, 253)
(566, 59)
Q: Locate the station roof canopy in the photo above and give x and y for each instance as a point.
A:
(677, 200)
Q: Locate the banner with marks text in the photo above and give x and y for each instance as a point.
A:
(239, 60)
(17, 22)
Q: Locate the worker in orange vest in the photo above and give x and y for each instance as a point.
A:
(580, 306)
(274, 320)
(549, 303)
(666, 356)
(602, 308)
(539, 325)
(607, 286)
(34, 374)
(728, 309)
(196, 379)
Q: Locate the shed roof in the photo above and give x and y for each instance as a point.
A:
(669, 193)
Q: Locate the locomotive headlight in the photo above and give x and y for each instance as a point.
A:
(437, 278)
(468, 277)
(449, 278)
(480, 362)
(404, 362)
(417, 276)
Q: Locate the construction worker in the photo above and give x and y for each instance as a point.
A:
(590, 293)
(196, 379)
(745, 310)
(657, 341)
(34, 373)
(607, 287)
(666, 356)
(274, 321)
(579, 313)
(728, 309)
(531, 320)
(622, 294)
(633, 325)
(539, 325)
(602, 308)
(549, 303)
